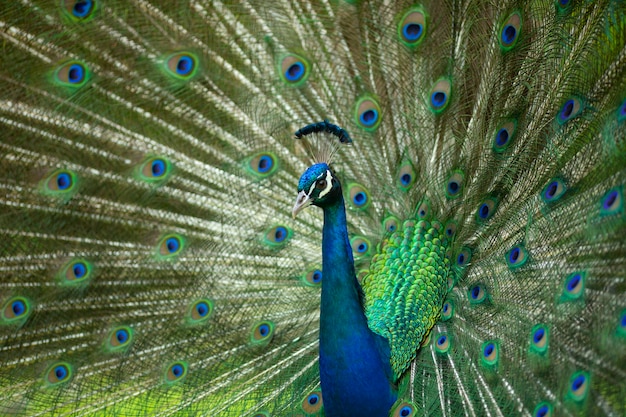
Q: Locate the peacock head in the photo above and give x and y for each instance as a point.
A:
(318, 186)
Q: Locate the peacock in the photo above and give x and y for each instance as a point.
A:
(457, 245)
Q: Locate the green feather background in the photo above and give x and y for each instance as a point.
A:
(149, 262)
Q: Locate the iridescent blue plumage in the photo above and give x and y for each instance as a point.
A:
(355, 371)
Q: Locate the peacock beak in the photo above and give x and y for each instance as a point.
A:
(302, 202)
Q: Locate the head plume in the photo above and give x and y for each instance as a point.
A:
(322, 149)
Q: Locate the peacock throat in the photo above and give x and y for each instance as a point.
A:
(355, 373)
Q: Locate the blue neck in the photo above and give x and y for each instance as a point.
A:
(354, 362)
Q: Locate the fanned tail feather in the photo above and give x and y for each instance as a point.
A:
(149, 261)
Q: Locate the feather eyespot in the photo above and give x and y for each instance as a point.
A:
(464, 257)
(58, 373)
(263, 330)
(200, 311)
(406, 176)
(181, 65)
(265, 164)
(360, 246)
(316, 276)
(313, 277)
(368, 117)
(262, 333)
(539, 337)
(280, 234)
(277, 236)
(79, 270)
(61, 183)
(570, 109)
(510, 32)
(553, 191)
(440, 95)
(294, 70)
(543, 409)
(486, 210)
(170, 245)
(423, 210)
(504, 136)
(262, 164)
(79, 10)
(120, 338)
(578, 386)
(612, 202)
(16, 309)
(367, 113)
(82, 8)
(412, 27)
(477, 294)
(442, 343)
(75, 73)
(411, 32)
(516, 257)
(175, 372)
(154, 170)
(490, 353)
(72, 74)
(390, 224)
(563, 6)
(312, 403)
(447, 311)
(574, 282)
(404, 409)
(185, 65)
(157, 168)
(574, 286)
(359, 197)
(450, 228)
(75, 272)
(454, 186)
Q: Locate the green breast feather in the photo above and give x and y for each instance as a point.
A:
(405, 288)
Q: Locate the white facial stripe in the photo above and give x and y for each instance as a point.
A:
(326, 190)
(313, 186)
(329, 184)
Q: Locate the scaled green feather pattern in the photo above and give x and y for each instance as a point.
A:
(405, 287)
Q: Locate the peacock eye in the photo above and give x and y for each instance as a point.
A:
(320, 184)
